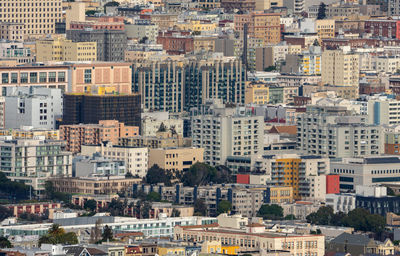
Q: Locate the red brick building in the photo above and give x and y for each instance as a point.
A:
(332, 184)
(176, 42)
(34, 208)
(335, 43)
(383, 28)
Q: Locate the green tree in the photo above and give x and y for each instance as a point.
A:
(175, 213)
(376, 223)
(316, 43)
(15, 190)
(290, 217)
(142, 41)
(321, 11)
(157, 175)
(154, 197)
(162, 128)
(5, 243)
(91, 12)
(323, 216)
(224, 206)
(390, 191)
(90, 205)
(200, 208)
(270, 68)
(57, 235)
(357, 219)
(107, 234)
(5, 213)
(202, 174)
(270, 211)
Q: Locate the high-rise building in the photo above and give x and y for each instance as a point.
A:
(33, 161)
(91, 108)
(340, 68)
(335, 132)
(383, 110)
(224, 132)
(34, 17)
(29, 106)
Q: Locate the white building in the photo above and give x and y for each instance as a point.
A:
(151, 124)
(387, 64)
(142, 29)
(341, 202)
(383, 110)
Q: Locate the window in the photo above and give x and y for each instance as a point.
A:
(24, 78)
(33, 77)
(4, 78)
(61, 76)
(43, 77)
(14, 78)
(52, 76)
(88, 76)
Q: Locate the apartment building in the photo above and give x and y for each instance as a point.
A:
(383, 110)
(33, 161)
(387, 28)
(76, 135)
(91, 108)
(176, 42)
(16, 51)
(136, 159)
(295, 6)
(325, 28)
(55, 76)
(30, 133)
(95, 185)
(305, 174)
(38, 208)
(224, 132)
(366, 171)
(12, 31)
(333, 132)
(142, 29)
(252, 239)
(176, 160)
(152, 124)
(242, 5)
(343, 10)
(339, 68)
(392, 143)
(393, 8)
(97, 166)
(387, 64)
(307, 63)
(257, 93)
(32, 106)
(34, 17)
(260, 25)
(60, 49)
(160, 140)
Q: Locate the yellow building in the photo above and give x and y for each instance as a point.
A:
(325, 29)
(61, 49)
(30, 134)
(311, 64)
(257, 93)
(175, 159)
(215, 247)
(281, 194)
(170, 250)
(197, 25)
(204, 43)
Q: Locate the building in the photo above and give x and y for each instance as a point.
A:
(91, 108)
(335, 132)
(76, 135)
(379, 28)
(345, 67)
(176, 160)
(15, 51)
(103, 76)
(46, 159)
(152, 123)
(32, 24)
(30, 133)
(224, 132)
(135, 159)
(295, 6)
(307, 63)
(342, 202)
(387, 64)
(366, 171)
(38, 208)
(60, 49)
(342, 10)
(141, 30)
(242, 5)
(176, 42)
(257, 93)
(95, 185)
(392, 143)
(383, 110)
(160, 140)
(32, 106)
(260, 25)
(97, 166)
(12, 31)
(393, 8)
(325, 28)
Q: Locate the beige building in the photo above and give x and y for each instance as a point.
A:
(254, 238)
(161, 140)
(12, 31)
(257, 93)
(37, 17)
(164, 20)
(75, 11)
(262, 5)
(340, 68)
(175, 159)
(325, 29)
(31, 133)
(61, 49)
(204, 43)
(151, 126)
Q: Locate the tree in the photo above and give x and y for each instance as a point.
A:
(290, 217)
(4, 213)
(390, 191)
(203, 174)
(321, 11)
(270, 211)
(175, 213)
(316, 43)
(154, 197)
(107, 234)
(323, 216)
(270, 69)
(91, 12)
(157, 175)
(53, 195)
(196, 33)
(143, 40)
(200, 208)
(90, 205)
(13, 189)
(95, 233)
(5, 243)
(57, 235)
(162, 128)
(376, 223)
(224, 207)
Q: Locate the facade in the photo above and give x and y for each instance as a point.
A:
(34, 208)
(176, 160)
(243, 5)
(257, 93)
(93, 134)
(393, 8)
(161, 140)
(91, 108)
(150, 126)
(392, 143)
(383, 111)
(16, 51)
(97, 166)
(34, 161)
(325, 28)
(341, 202)
(345, 67)
(30, 133)
(33, 24)
(344, 135)
(30, 106)
(383, 28)
(176, 42)
(136, 159)
(224, 132)
(142, 29)
(60, 49)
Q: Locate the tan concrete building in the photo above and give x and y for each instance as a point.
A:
(262, 5)
(204, 43)
(106, 74)
(30, 133)
(254, 238)
(161, 140)
(325, 29)
(12, 31)
(340, 68)
(38, 17)
(75, 11)
(260, 25)
(77, 135)
(94, 185)
(164, 20)
(175, 159)
(257, 93)
(61, 49)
